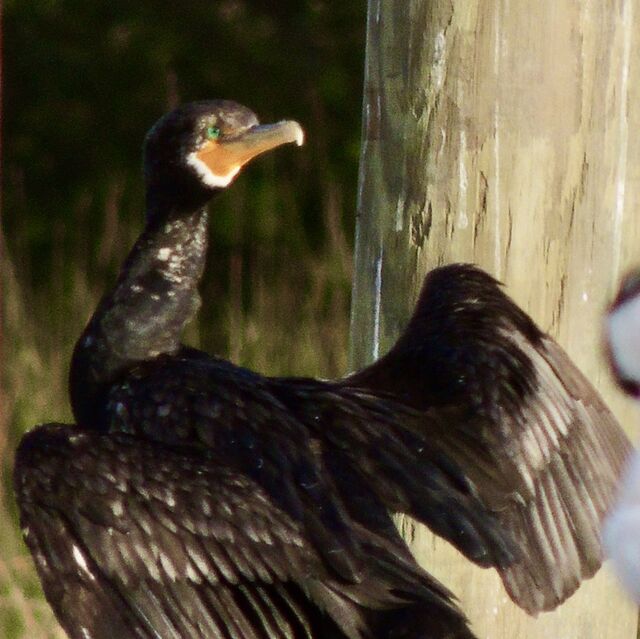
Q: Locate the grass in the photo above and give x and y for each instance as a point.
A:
(276, 319)
(30, 393)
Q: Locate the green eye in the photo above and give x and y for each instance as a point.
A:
(213, 132)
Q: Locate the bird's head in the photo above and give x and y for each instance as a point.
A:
(622, 334)
(200, 147)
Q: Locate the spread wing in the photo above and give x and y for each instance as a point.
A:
(378, 463)
(540, 445)
(317, 451)
(133, 538)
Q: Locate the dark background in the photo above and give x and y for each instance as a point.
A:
(83, 82)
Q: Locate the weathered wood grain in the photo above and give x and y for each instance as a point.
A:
(504, 134)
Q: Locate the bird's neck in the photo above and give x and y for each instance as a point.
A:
(144, 315)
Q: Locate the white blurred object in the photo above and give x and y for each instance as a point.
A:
(621, 532)
(623, 334)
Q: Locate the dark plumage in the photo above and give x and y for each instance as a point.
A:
(195, 498)
(538, 443)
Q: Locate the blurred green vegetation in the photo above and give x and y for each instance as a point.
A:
(82, 84)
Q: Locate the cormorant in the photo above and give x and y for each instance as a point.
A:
(195, 498)
(622, 526)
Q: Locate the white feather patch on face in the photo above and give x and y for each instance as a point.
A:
(623, 327)
(208, 177)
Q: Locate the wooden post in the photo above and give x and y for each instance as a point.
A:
(503, 134)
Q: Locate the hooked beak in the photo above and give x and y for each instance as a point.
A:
(226, 156)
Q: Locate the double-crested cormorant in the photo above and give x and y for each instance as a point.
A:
(195, 498)
(622, 526)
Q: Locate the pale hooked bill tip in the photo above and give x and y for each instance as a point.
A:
(300, 136)
(297, 134)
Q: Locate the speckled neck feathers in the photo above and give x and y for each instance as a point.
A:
(144, 315)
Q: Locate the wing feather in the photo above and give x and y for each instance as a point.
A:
(523, 423)
(200, 550)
